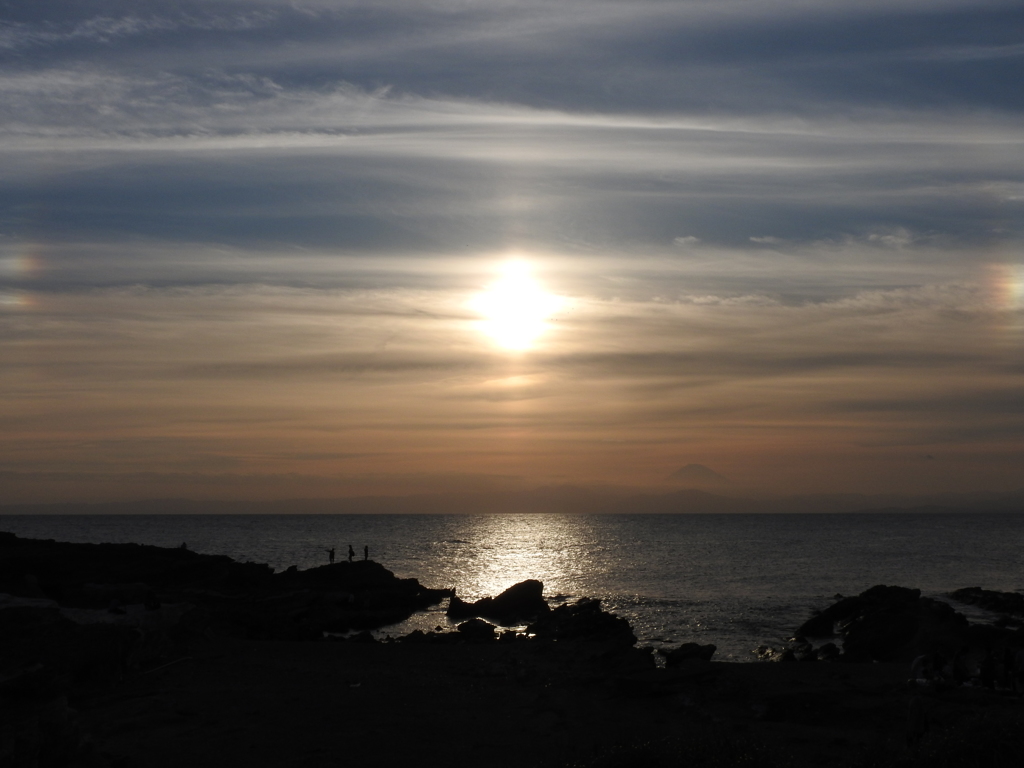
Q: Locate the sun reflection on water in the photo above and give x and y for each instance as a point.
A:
(503, 550)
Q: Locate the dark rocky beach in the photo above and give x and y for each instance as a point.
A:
(138, 656)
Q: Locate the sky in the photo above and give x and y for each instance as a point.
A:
(257, 249)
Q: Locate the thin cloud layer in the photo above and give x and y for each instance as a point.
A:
(243, 240)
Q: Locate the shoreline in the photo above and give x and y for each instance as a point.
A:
(222, 660)
(767, 576)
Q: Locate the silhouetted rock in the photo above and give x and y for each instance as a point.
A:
(688, 651)
(583, 637)
(62, 570)
(229, 598)
(828, 652)
(355, 575)
(477, 630)
(802, 649)
(583, 620)
(518, 604)
(1009, 603)
(889, 623)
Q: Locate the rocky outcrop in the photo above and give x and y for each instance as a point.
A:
(477, 630)
(80, 617)
(583, 621)
(520, 603)
(592, 641)
(889, 623)
(134, 582)
(86, 575)
(1006, 603)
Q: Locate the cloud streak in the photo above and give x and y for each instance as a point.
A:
(243, 240)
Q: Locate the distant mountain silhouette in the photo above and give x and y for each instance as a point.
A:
(700, 477)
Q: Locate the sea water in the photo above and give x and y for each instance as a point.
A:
(737, 581)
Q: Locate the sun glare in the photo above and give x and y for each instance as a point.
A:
(515, 308)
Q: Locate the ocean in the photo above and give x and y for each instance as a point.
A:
(737, 581)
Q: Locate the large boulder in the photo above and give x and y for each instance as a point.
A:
(825, 623)
(586, 639)
(583, 620)
(889, 623)
(518, 604)
(477, 630)
(1008, 603)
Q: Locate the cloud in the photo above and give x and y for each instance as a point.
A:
(102, 29)
(240, 238)
(373, 170)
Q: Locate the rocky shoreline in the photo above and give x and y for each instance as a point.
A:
(137, 657)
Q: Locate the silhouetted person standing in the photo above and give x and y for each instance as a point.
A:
(366, 553)
(330, 555)
(351, 553)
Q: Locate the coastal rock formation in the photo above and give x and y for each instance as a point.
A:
(1006, 603)
(477, 630)
(86, 575)
(90, 677)
(583, 620)
(585, 640)
(80, 618)
(518, 604)
(889, 623)
(223, 596)
(588, 637)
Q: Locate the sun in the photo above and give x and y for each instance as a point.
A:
(515, 308)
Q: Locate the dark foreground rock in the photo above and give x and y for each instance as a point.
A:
(167, 683)
(896, 624)
(584, 620)
(76, 619)
(518, 604)
(889, 623)
(239, 599)
(331, 704)
(477, 629)
(1006, 603)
